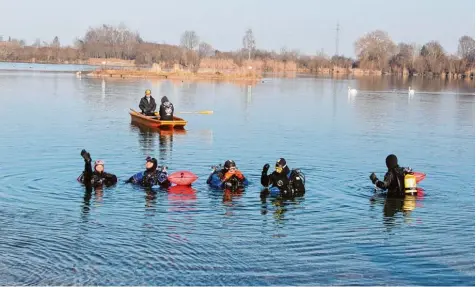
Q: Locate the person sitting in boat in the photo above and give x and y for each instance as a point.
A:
(147, 104)
(166, 109)
(394, 178)
(284, 181)
(229, 177)
(98, 177)
(152, 176)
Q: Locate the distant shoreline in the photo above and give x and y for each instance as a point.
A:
(115, 69)
(178, 75)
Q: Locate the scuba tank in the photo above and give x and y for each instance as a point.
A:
(163, 175)
(297, 182)
(410, 184)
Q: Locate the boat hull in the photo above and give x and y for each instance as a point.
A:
(153, 122)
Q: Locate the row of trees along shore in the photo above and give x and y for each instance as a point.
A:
(376, 54)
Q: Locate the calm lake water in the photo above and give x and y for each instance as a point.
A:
(53, 233)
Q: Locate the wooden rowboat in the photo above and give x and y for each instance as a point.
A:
(154, 122)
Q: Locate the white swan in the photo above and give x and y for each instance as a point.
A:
(410, 91)
(352, 92)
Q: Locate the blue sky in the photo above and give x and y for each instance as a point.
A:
(307, 25)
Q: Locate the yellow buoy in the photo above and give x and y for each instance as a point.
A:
(410, 184)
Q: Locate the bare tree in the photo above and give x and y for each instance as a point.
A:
(56, 42)
(283, 54)
(4, 52)
(249, 43)
(466, 49)
(289, 55)
(321, 60)
(434, 56)
(205, 50)
(37, 43)
(189, 40)
(109, 41)
(375, 48)
(403, 59)
(341, 61)
(55, 45)
(415, 52)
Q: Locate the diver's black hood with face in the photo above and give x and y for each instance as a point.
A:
(391, 161)
(164, 99)
(154, 167)
(285, 171)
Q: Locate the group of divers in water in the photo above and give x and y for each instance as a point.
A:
(283, 182)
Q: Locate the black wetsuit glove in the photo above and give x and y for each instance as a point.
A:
(373, 178)
(265, 168)
(86, 155)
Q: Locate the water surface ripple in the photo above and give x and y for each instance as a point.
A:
(53, 232)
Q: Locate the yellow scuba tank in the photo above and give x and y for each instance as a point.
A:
(410, 184)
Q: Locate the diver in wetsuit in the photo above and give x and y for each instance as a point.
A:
(228, 177)
(98, 177)
(166, 109)
(394, 178)
(289, 182)
(153, 175)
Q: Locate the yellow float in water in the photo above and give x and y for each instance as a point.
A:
(410, 183)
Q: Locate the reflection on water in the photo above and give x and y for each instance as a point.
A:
(182, 207)
(103, 89)
(279, 206)
(230, 195)
(148, 138)
(395, 206)
(179, 194)
(150, 202)
(419, 84)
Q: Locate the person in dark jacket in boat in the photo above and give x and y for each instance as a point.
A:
(289, 182)
(147, 104)
(152, 176)
(98, 177)
(166, 109)
(393, 181)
